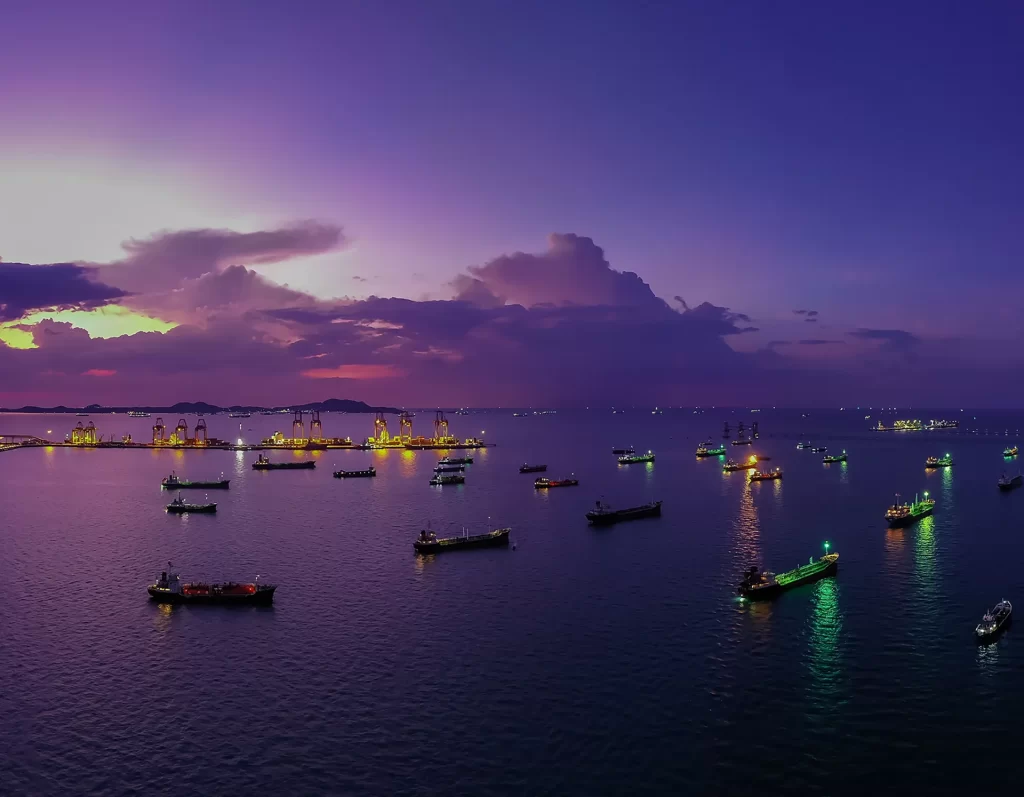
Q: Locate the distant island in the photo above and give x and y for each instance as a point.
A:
(201, 407)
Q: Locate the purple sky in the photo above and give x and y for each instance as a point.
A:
(562, 203)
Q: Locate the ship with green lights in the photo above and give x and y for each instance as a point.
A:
(904, 514)
(758, 584)
(708, 450)
(1010, 451)
(830, 458)
(630, 459)
(939, 462)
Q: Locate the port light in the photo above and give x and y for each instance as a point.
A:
(240, 442)
(826, 546)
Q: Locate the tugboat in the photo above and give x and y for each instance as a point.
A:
(441, 479)
(370, 472)
(994, 620)
(262, 463)
(708, 450)
(540, 484)
(429, 542)
(532, 468)
(828, 459)
(169, 589)
(747, 464)
(905, 514)
(632, 459)
(765, 475)
(446, 467)
(456, 461)
(623, 451)
(604, 515)
(180, 507)
(1010, 452)
(938, 462)
(757, 584)
(172, 482)
(1007, 483)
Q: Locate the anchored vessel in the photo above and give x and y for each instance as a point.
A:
(441, 479)
(629, 459)
(180, 506)
(429, 542)
(905, 514)
(532, 468)
(828, 458)
(940, 424)
(448, 467)
(939, 462)
(172, 482)
(994, 620)
(747, 464)
(1010, 482)
(542, 483)
(1010, 452)
(170, 589)
(355, 474)
(709, 450)
(456, 460)
(137, 414)
(757, 584)
(765, 475)
(262, 463)
(623, 451)
(819, 449)
(604, 515)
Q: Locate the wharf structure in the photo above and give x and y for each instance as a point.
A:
(314, 441)
(405, 438)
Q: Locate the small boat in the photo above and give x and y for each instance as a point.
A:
(1010, 452)
(532, 468)
(356, 474)
(765, 475)
(830, 458)
(445, 467)
(441, 479)
(819, 449)
(604, 515)
(137, 414)
(708, 449)
(542, 483)
(938, 462)
(757, 584)
(172, 482)
(181, 507)
(804, 445)
(623, 451)
(169, 589)
(81, 415)
(456, 461)
(905, 514)
(429, 542)
(632, 459)
(747, 464)
(1007, 483)
(994, 620)
(262, 463)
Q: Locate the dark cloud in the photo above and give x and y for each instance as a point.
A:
(24, 288)
(682, 302)
(818, 342)
(810, 320)
(773, 343)
(357, 278)
(724, 320)
(891, 339)
(810, 313)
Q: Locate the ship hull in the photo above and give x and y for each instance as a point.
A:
(1013, 485)
(772, 590)
(459, 543)
(192, 509)
(218, 485)
(994, 634)
(354, 474)
(909, 521)
(285, 466)
(263, 597)
(534, 469)
(610, 518)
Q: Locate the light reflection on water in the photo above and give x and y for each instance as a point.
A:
(826, 627)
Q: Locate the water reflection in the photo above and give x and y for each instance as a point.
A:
(844, 475)
(407, 463)
(163, 616)
(748, 543)
(826, 626)
(925, 562)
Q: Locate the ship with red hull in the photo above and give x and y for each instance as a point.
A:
(169, 588)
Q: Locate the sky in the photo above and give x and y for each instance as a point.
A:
(515, 204)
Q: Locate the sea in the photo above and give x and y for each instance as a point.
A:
(577, 661)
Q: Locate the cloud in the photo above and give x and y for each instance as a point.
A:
(357, 278)
(818, 342)
(682, 302)
(810, 320)
(161, 261)
(891, 339)
(810, 313)
(724, 319)
(99, 372)
(355, 372)
(57, 286)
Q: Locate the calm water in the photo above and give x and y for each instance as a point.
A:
(584, 662)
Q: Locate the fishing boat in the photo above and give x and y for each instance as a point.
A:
(747, 464)
(765, 475)
(708, 449)
(170, 589)
(262, 463)
(1011, 452)
(1007, 483)
(540, 484)
(604, 515)
(456, 460)
(370, 472)
(532, 468)
(441, 479)
(905, 514)
(632, 459)
(172, 482)
(938, 462)
(445, 467)
(179, 506)
(765, 584)
(830, 458)
(623, 451)
(429, 542)
(994, 620)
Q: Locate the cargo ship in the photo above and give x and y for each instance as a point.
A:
(169, 589)
(830, 458)
(447, 467)
(429, 542)
(900, 426)
(356, 474)
(905, 514)
(441, 479)
(765, 475)
(994, 620)
(632, 459)
(1007, 483)
(623, 451)
(708, 450)
(938, 462)
(239, 414)
(940, 424)
(172, 482)
(1011, 452)
(179, 506)
(532, 468)
(262, 463)
(540, 484)
(819, 449)
(137, 414)
(456, 460)
(604, 515)
(747, 464)
(757, 585)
